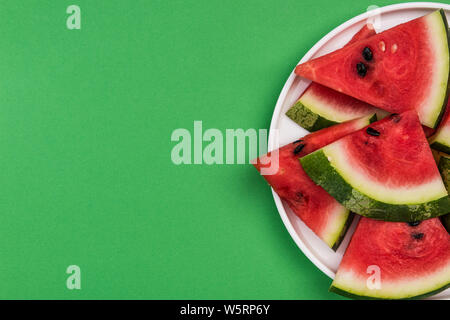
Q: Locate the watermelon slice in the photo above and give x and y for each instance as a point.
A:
(320, 107)
(317, 209)
(385, 171)
(441, 140)
(402, 68)
(444, 168)
(395, 260)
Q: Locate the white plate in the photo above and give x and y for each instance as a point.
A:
(386, 17)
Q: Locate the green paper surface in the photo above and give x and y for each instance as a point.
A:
(86, 175)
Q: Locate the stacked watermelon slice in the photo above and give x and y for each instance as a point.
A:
(375, 106)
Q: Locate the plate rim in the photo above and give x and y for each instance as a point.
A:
(283, 94)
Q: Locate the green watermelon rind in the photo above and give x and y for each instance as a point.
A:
(446, 222)
(320, 170)
(334, 237)
(343, 232)
(309, 120)
(351, 215)
(444, 169)
(437, 141)
(373, 119)
(335, 242)
(440, 146)
(355, 295)
(444, 103)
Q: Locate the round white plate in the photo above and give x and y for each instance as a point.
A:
(286, 130)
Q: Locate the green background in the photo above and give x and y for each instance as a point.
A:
(86, 175)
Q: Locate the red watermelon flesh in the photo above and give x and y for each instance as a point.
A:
(341, 107)
(398, 157)
(409, 68)
(335, 97)
(428, 131)
(413, 260)
(313, 205)
(366, 31)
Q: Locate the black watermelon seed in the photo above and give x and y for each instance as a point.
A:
(417, 236)
(297, 141)
(298, 148)
(395, 117)
(367, 54)
(414, 223)
(372, 132)
(361, 68)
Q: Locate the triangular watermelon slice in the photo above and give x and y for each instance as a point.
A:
(395, 260)
(313, 205)
(405, 67)
(385, 171)
(319, 107)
